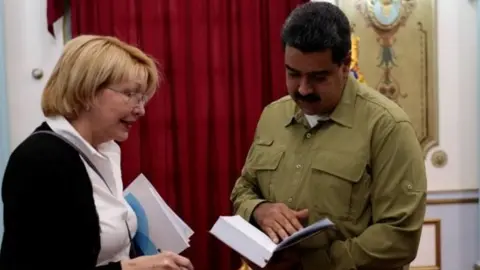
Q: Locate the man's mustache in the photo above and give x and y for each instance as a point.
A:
(307, 98)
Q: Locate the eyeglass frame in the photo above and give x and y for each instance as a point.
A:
(138, 98)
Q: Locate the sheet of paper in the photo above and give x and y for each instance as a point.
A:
(187, 231)
(306, 232)
(158, 226)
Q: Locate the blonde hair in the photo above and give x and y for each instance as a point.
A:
(87, 65)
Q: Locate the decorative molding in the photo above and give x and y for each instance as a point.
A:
(452, 197)
(439, 159)
(435, 224)
(452, 201)
(451, 191)
(409, 81)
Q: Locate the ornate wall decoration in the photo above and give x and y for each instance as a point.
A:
(354, 68)
(439, 159)
(397, 56)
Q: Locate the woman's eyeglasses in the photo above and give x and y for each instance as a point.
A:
(134, 97)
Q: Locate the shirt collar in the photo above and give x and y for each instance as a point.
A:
(342, 114)
(63, 127)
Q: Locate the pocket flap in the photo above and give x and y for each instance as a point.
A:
(348, 166)
(263, 141)
(265, 156)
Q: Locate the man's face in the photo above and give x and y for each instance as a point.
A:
(314, 81)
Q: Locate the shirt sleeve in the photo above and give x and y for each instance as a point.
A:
(246, 195)
(398, 201)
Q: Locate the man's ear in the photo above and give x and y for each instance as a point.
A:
(346, 62)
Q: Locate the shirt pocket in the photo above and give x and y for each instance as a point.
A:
(265, 162)
(341, 185)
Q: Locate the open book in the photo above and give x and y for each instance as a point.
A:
(158, 227)
(255, 245)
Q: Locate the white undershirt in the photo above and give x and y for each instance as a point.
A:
(112, 210)
(314, 119)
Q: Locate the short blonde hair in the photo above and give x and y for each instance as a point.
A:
(88, 64)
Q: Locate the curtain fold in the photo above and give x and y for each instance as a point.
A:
(55, 10)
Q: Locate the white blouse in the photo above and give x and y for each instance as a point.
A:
(112, 209)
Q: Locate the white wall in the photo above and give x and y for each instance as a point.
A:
(457, 72)
(29, 45)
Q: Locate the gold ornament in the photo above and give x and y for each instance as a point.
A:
(439, 159)
(355, 54)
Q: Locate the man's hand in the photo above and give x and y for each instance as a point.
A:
(277, 220)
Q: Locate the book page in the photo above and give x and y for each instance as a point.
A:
(158, 226)
(305, 233)
(142, 181)
(181, 225)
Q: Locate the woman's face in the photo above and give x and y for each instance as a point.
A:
(115, 109)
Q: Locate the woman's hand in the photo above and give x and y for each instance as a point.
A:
(162, 261)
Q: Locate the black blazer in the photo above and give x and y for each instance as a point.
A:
(50, 217)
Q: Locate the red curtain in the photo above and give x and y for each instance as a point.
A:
(222, 62)
(55, 10)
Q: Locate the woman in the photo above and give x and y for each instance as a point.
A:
(62, 188)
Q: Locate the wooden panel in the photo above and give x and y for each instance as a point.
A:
(429, 251)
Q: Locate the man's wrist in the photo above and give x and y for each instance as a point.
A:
(247, 208)
(253, 219)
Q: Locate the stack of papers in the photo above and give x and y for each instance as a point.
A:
(255, 245)
(159, 228)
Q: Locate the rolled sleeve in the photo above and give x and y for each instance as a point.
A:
(246, 208)
(246, 195)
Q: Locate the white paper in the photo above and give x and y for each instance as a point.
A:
(188, 232)
(159, 228)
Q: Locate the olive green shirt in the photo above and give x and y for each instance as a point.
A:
(363, 168)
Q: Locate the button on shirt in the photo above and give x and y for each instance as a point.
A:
(112, 209)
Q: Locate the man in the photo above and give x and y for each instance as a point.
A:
(333, 148)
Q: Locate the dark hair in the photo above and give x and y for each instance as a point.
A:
(316, 27)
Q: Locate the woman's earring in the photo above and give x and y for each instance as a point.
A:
(87, 108)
